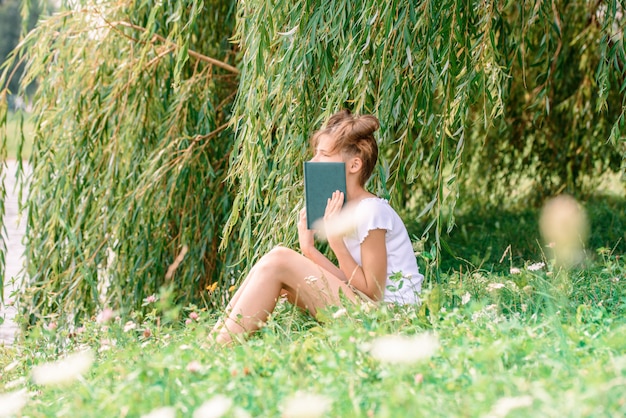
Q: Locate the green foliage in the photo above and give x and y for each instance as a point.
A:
(496, 239)
(12, 25)
(472, 98)
(130, 156)
(494, 352)
(174, 153)
(565, 102)
(18, 125)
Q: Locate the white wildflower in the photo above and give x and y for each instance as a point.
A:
(130, 325)
(506, 405)
(489, 312)
(404, 349)
(493, 286)
(515, 270)
(63, 370)
(11, 403)
(163, 412)
(215, 407)
(306, 405)
(106, 344)
(466, 298)
(536, 266)
(339, 313)
(310, 279)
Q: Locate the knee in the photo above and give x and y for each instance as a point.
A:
(276, 260)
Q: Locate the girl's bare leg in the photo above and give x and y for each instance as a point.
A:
(280, 271)
(233, 301)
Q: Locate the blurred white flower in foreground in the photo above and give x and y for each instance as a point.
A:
(105, 316)
(536, 266)
(64, 370)
(11, 403)
(306, 405)
(11, 365)
(563, 224)
(506, 405)
(215, 407)
(163, 412)
(194, 366)
(404, 349)
(341, 224)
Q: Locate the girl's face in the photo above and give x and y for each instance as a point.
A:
(324, 150)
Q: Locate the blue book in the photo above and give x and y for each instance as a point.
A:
(321, 180)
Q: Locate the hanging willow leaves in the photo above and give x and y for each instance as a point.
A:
(169, 128)
(471, 95)
(132, 148)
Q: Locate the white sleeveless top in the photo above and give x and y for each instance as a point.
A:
(404, 281)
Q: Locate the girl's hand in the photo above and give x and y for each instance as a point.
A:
(306, 237)
(333, 208)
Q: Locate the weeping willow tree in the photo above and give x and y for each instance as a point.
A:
(131, 153)
(474, 95)
(170, 136)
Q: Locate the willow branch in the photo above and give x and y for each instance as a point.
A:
(16, 66)
(211, 134)
(191, 53)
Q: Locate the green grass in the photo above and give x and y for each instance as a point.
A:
(14, 122)
(494, 240)
(552, 343)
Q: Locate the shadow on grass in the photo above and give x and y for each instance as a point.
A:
(495, 240)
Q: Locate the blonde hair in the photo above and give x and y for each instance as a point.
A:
(354, 136)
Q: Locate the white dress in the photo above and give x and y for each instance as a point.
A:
(404, 281)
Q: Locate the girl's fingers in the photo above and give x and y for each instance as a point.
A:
(334, 203)
(338, 199)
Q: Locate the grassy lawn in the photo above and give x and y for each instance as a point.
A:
(534, 343)
(14, 121)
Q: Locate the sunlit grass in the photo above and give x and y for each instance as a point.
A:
(526, 343)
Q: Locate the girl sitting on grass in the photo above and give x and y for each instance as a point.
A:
(376, 258)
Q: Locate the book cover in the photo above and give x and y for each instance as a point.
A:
(321, 179)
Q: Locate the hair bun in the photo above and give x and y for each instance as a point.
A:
(365, 125)
(362, 125)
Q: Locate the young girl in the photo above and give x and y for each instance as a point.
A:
(376, 258)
